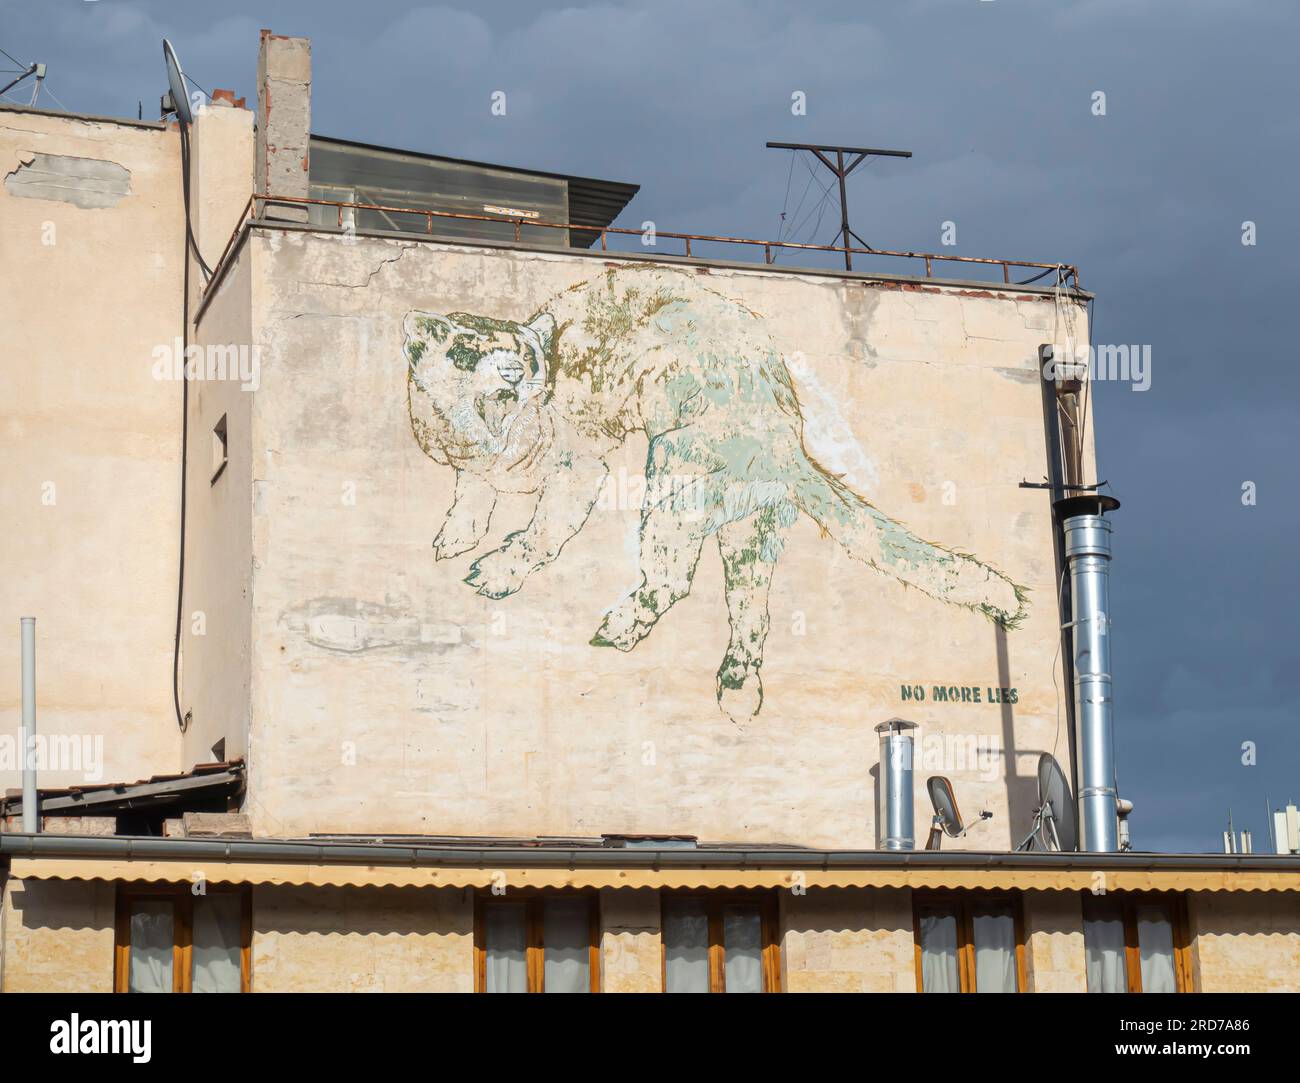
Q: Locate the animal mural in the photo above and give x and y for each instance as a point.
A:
(536, 405)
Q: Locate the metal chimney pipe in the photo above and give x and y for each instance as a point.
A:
(894, 817)
(31, 811)
(1087, 549)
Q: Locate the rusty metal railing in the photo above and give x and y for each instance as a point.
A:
(1067, 274)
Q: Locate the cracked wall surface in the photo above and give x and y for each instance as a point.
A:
(387, 695)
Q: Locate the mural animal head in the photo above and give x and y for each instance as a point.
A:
(482, 379)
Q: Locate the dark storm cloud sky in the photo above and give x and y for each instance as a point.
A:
(993, 96)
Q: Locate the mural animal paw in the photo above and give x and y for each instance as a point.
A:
(621, 629)
(497, 574)
(450, 543)
(740, 692)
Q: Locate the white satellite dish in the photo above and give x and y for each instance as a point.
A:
(178, 95)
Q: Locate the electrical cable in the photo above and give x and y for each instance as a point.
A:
(785, 203)
(786, 233)
(189, 245)
(1047, 272)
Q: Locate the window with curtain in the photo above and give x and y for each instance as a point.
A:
(968, 943)
(717, 942)
(169, 940)
(1136, 943)
(537, 943)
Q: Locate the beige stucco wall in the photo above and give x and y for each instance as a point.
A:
(848, 941)
(56, 936)
(362, 940)
(1246, 943)
(387, 695)
(89, 446)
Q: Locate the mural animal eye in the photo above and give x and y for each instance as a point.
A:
(464, 356)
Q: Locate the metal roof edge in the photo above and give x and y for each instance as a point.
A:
(362, 145)
(284, 851)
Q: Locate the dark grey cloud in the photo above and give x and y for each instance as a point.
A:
(993, 96)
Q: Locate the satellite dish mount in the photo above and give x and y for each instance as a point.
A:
(947, 819)
(1055, 825)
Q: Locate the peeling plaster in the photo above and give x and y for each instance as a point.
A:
(351, 626)
(89, 183)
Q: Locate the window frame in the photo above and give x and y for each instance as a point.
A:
(962, 903)
(1129, 901)
(715, 901)
(182, 900)
(532, 900)
(220, 448)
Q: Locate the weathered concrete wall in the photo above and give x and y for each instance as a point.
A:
(283, 121)
(362, 940)
(848, 941)
(390, 695)
(90, 446)
(56, 936)
(1247, 943)
(1054, 942)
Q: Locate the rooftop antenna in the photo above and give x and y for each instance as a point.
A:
(177, 98)
(842, 171)
(34, 69)
(1055, 823)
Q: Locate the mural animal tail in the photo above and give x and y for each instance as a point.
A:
(890, 547)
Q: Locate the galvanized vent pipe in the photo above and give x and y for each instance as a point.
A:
(894, 817)
(1087, 549)
(27, 747)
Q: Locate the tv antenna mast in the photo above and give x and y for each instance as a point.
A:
(842, 171)
(25, 71)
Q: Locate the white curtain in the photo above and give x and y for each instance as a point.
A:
(217, 922)
(1156, 946)
(742, 946)
(507, 948)
(1103, 938)
(939, 952)
(686, 946)
(994, 930)
(152, 930)
(566, 939)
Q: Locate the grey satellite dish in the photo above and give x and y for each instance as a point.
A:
(178, 100)
(1055, 826)
(947, 818)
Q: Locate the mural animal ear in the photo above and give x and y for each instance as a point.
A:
(543, 326)
(421, 326)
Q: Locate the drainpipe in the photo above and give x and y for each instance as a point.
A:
(31, 811)
(894, 816)
(1087, 548)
